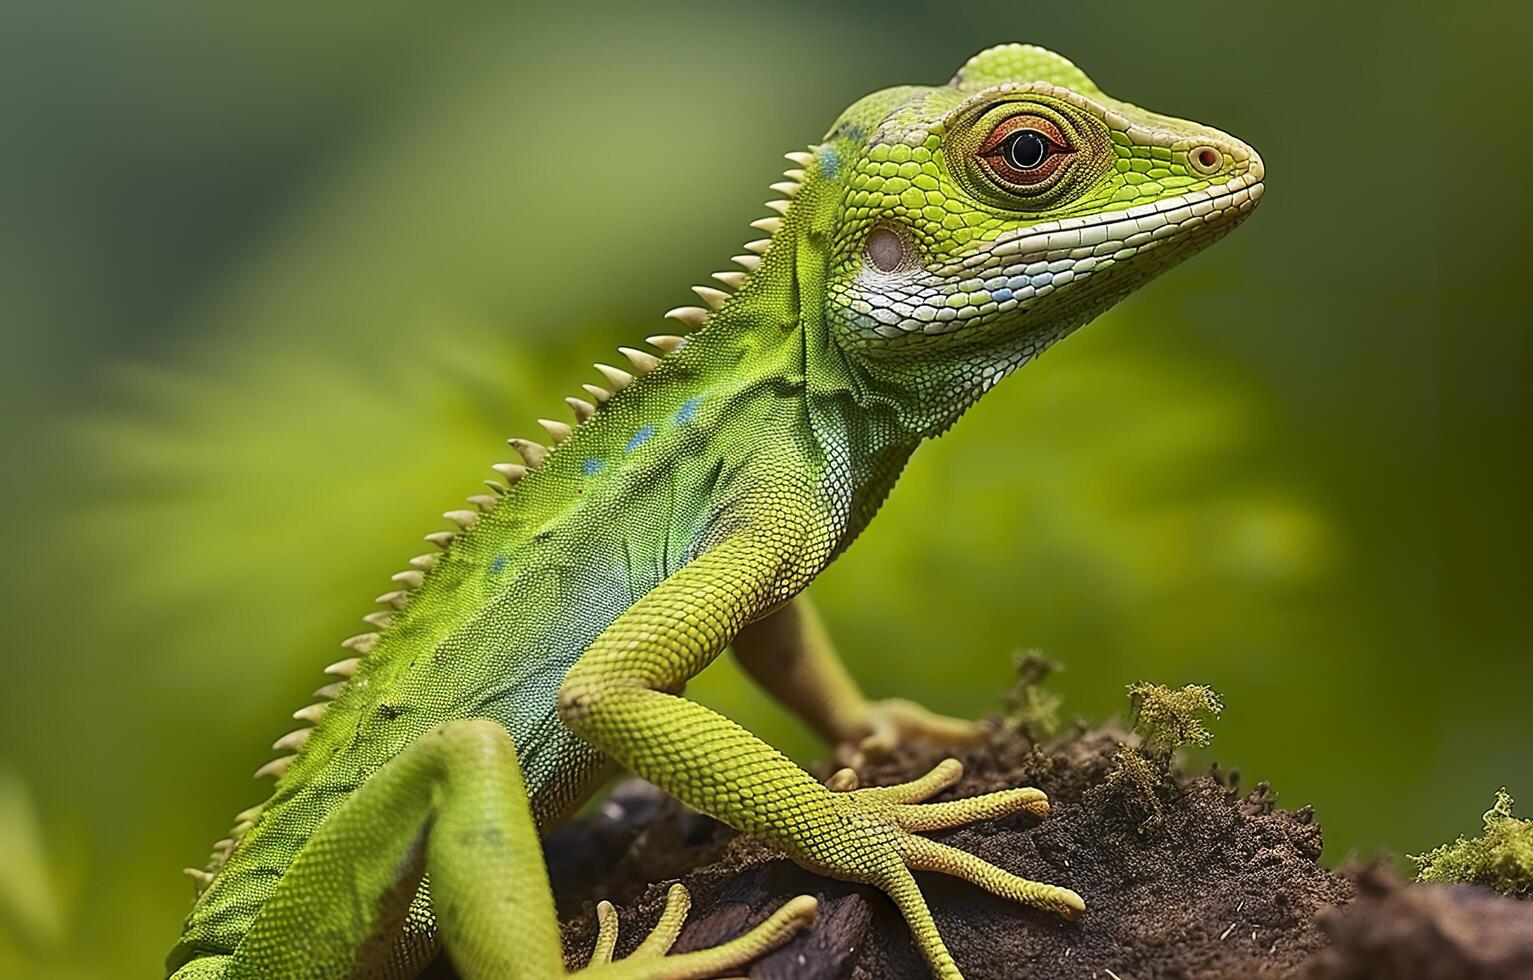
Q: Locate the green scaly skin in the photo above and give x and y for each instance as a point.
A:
(936, 240)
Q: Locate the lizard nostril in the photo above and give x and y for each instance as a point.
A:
(885, 249)
(1205, 159)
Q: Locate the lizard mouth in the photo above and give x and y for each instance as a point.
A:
(1117, 235)
(1103, 237)
(1041, 259)
(895, 299)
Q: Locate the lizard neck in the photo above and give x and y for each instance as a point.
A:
(853, 427)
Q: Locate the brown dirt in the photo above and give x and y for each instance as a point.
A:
(1425, 932)
(1223, 886)
(1227, 886)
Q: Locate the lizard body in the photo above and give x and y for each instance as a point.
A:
(936, 240)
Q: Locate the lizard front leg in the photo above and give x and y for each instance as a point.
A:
(617, 698)
(452, 804)
(790, 654)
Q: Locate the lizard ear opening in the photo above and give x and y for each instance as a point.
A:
(886, 249)
(1021, 63)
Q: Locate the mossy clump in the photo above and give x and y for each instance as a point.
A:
(1501, 858)
(1165, 719)
(1135, 781)
(1029, 707)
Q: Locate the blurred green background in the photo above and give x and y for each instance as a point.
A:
(276, 280)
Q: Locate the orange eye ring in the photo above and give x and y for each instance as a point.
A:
(1205, 160)
(1024, 151)
(1066, 153)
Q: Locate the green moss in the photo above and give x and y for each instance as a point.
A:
(1135, 781)
(1029, 707)
(1167, 719)
(1501, 858)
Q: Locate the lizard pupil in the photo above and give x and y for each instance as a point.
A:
(1026, 149)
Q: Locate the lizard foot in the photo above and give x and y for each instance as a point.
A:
(874, 840)
(650, 962)
(887, 723)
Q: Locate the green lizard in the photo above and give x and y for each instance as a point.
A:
(937, 239)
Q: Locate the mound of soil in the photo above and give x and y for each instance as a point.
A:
(1219, 884)
(1425, 932)
(1195, 881)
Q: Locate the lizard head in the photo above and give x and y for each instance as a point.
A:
(966, 227)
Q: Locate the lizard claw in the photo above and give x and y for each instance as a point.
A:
(886, 724)
(678, 902)
(875, 841)
(650, 960)
(843, 780)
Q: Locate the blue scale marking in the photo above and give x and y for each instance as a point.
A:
(829, 161)
(497, 564)
(685, 414)
(639, 438)
(854, 132)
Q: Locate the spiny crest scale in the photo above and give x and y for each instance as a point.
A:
(713, 297)
(666, 342)
(643, 361)
(692, 316)
(347, 667)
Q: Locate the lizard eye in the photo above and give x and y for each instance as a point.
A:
(1026, 154)
(1024, 151)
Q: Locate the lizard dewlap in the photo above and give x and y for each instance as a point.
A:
(936, 239)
